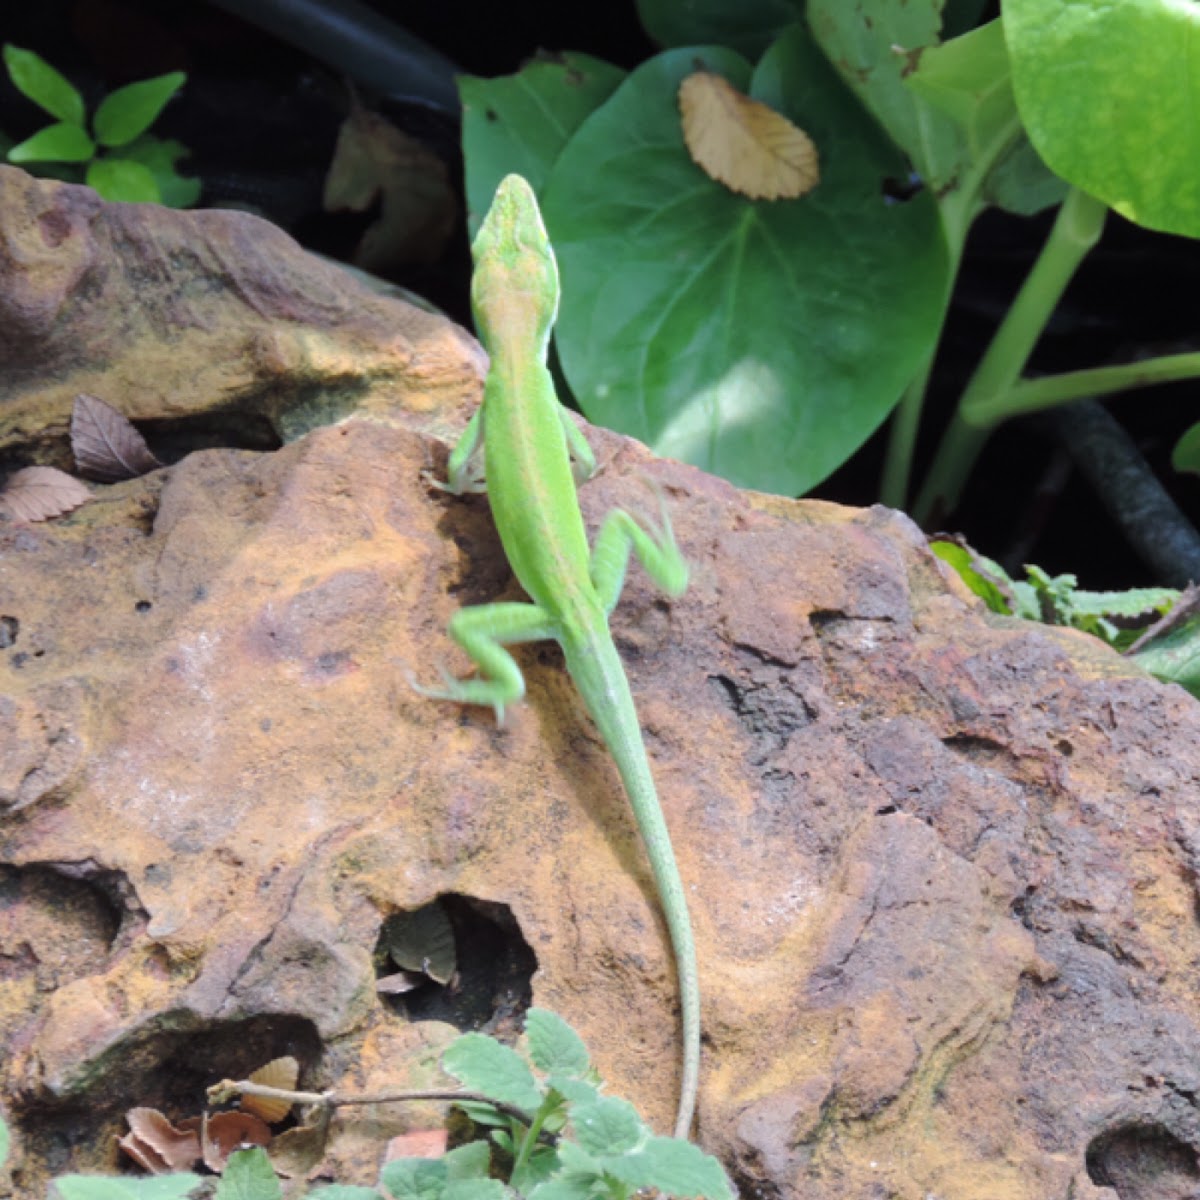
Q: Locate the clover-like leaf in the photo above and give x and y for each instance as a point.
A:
(129, 111)
(63, 142)
(121, 179)
(34, 77)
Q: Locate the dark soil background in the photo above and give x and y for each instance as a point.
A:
(261, 119)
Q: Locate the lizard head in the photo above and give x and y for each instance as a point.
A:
(514, 291)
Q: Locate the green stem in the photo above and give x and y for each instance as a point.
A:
(958, 210)
(902, 436)
(984, 402)
(1049, 391)
(902, 440)
(530, 1140)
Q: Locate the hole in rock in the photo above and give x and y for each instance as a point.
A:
(1143, 1162)
(55, 925)
(457, 959)
(168, 1065)
(9, 627)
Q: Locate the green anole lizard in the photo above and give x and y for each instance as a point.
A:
(528, 442)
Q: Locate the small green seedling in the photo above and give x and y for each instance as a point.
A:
(116, 156)
(1158, 628)
(547, 1132)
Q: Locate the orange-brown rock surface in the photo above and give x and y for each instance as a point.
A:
(942, 867)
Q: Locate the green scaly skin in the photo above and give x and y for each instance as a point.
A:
(528, 443)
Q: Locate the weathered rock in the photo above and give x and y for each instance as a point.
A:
(169, 315)
(942, 866)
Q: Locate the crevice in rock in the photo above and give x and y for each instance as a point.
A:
(1143, 1161)
(57, 924)
(982, 751)
(494, 969)
(167, 1065)
(230, 428)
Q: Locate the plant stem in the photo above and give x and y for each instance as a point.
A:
(530, 1140)
(985, 399)
(1049, 391)
(228, 1089)
(902, 439)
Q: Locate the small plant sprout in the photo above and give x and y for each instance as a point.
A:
(113, 153)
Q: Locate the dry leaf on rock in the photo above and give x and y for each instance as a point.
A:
(106, 446)
(223, 1133)
(279, 1073)
(376, 163)
(158, 1146)
(423, 941)
(742, 143)
(295, 1152)
(39, 493)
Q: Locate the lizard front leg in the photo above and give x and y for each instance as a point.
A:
(620, 536)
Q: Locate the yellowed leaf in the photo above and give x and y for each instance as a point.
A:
(279, 1073)
(742, 143)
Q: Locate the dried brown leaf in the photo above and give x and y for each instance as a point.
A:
(377, 164)
(295, 1152)
(39, 493)
(278, 1073)
(106, 446)
(223, 1133)
(742, 143)
(158, 1146)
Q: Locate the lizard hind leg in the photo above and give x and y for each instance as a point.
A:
(483, 632)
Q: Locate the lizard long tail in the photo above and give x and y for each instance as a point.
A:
(596, 667)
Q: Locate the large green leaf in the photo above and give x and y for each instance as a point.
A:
(520, 123)
(1108, 94)
(969, 79)
(874, 45)
(761, 340)
(748, 26)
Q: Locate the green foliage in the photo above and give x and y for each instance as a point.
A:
(1174, 656)
(685, 319)
(1107, 93)
(1186, 455)
(123, 161)
(612, 1153)
(248, 1175)
(1157, 628)
(766, 340)
(539, 1099)
(1118, 618)
(96, 1187)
